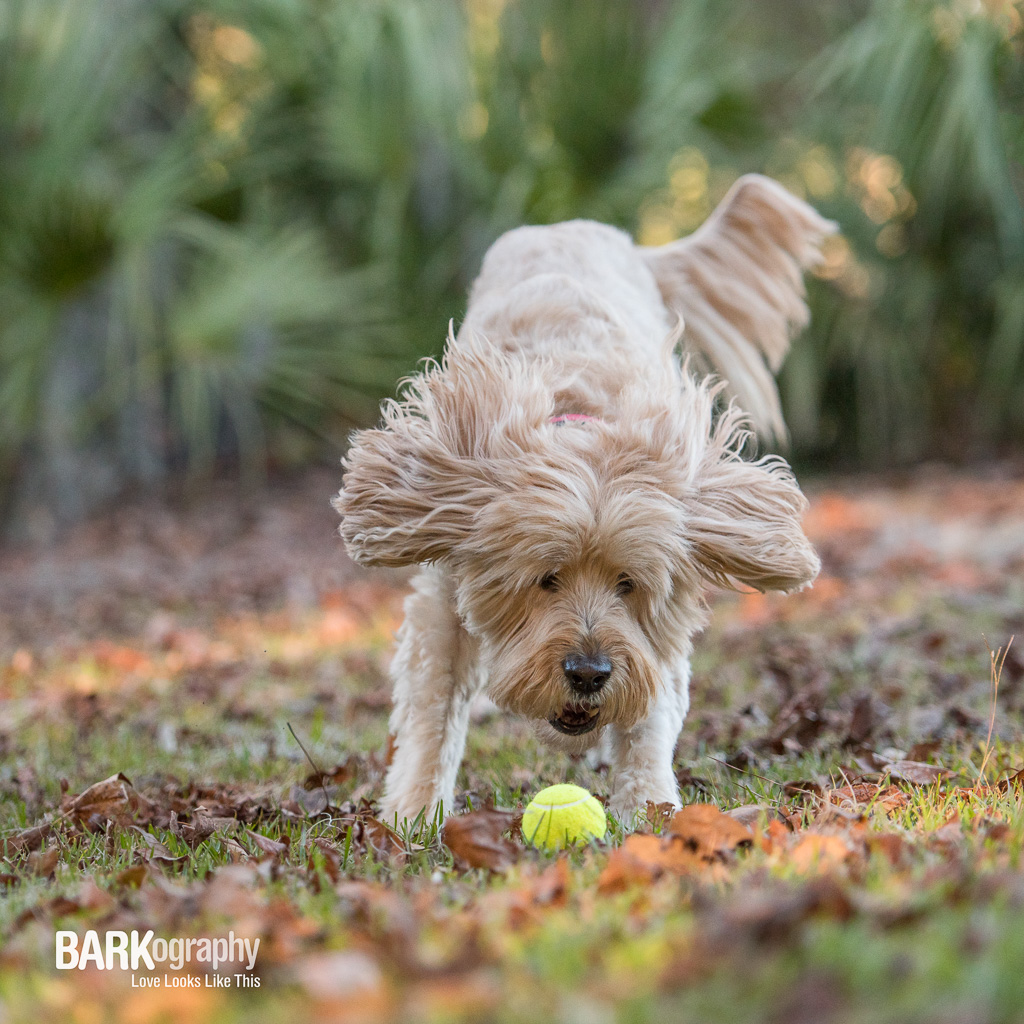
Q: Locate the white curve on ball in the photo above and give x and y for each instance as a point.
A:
(564, 807)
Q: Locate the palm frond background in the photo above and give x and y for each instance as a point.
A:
(227, 227)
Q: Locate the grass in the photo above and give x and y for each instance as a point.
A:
(904, 907)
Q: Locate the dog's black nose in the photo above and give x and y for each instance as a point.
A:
(587, 673)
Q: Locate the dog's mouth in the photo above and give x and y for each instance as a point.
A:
(574, 720)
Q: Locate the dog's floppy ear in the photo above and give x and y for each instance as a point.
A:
(744, 518)
(406, 497)
(412, 487)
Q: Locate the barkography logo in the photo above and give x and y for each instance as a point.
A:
(135, 951)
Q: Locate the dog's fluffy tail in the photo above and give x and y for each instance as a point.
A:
(737, 283)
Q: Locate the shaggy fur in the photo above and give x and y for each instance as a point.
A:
(595, 538)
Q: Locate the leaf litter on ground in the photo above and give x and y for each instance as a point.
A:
(818, 746)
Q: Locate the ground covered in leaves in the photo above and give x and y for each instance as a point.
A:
(850, 849)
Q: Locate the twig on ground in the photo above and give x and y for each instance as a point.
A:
(316, 768)
(996, 661)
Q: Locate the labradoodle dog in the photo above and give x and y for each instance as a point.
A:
(569, 486)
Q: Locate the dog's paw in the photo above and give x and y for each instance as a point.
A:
(632, 796)
(631, 813)
(418, 805)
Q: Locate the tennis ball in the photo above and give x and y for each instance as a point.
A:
(560, 815)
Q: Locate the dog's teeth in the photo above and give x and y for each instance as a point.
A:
(571, 713)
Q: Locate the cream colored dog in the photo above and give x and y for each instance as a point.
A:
(569, 487)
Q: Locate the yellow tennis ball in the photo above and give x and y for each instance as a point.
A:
(560, 815)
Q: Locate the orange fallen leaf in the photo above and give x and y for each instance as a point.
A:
(817, 853)
(709, 833)
(659, 814)
(643, 858)
(775, 837)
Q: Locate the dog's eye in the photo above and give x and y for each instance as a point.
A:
(549, 582)
(624, 585)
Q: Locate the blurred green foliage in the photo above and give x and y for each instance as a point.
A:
(228, 226)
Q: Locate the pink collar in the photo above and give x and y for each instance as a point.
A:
(569, 417)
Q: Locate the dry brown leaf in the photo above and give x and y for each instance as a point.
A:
(276, 849)
(477, 839)
(106, 800)
(949, 835)
(643, 858)
(156, 852)
(997, 831)
(924, 750)
(775, 837)
(43, 863)
(27, 839)
(232, 891)
(133, 877)
(916, 772)
(202, 827)
(817, 853)
(829, 814)
(93, 897)
(153, 845)
(684, 777)
(802, 790)
(332, 858)
(770, 914)
(369, 833)
(384, 841)
(59, 906)
(336, 776)
(888, 798)
(534, 894)
(552, 885)
(798, 722)
(709, 833)
(890, 844)
(659, 815)
(749, 815)
(863, 721)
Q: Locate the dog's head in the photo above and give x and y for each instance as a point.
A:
(579, 550)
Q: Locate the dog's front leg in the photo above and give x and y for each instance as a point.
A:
(642, 756)
(435, 681)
